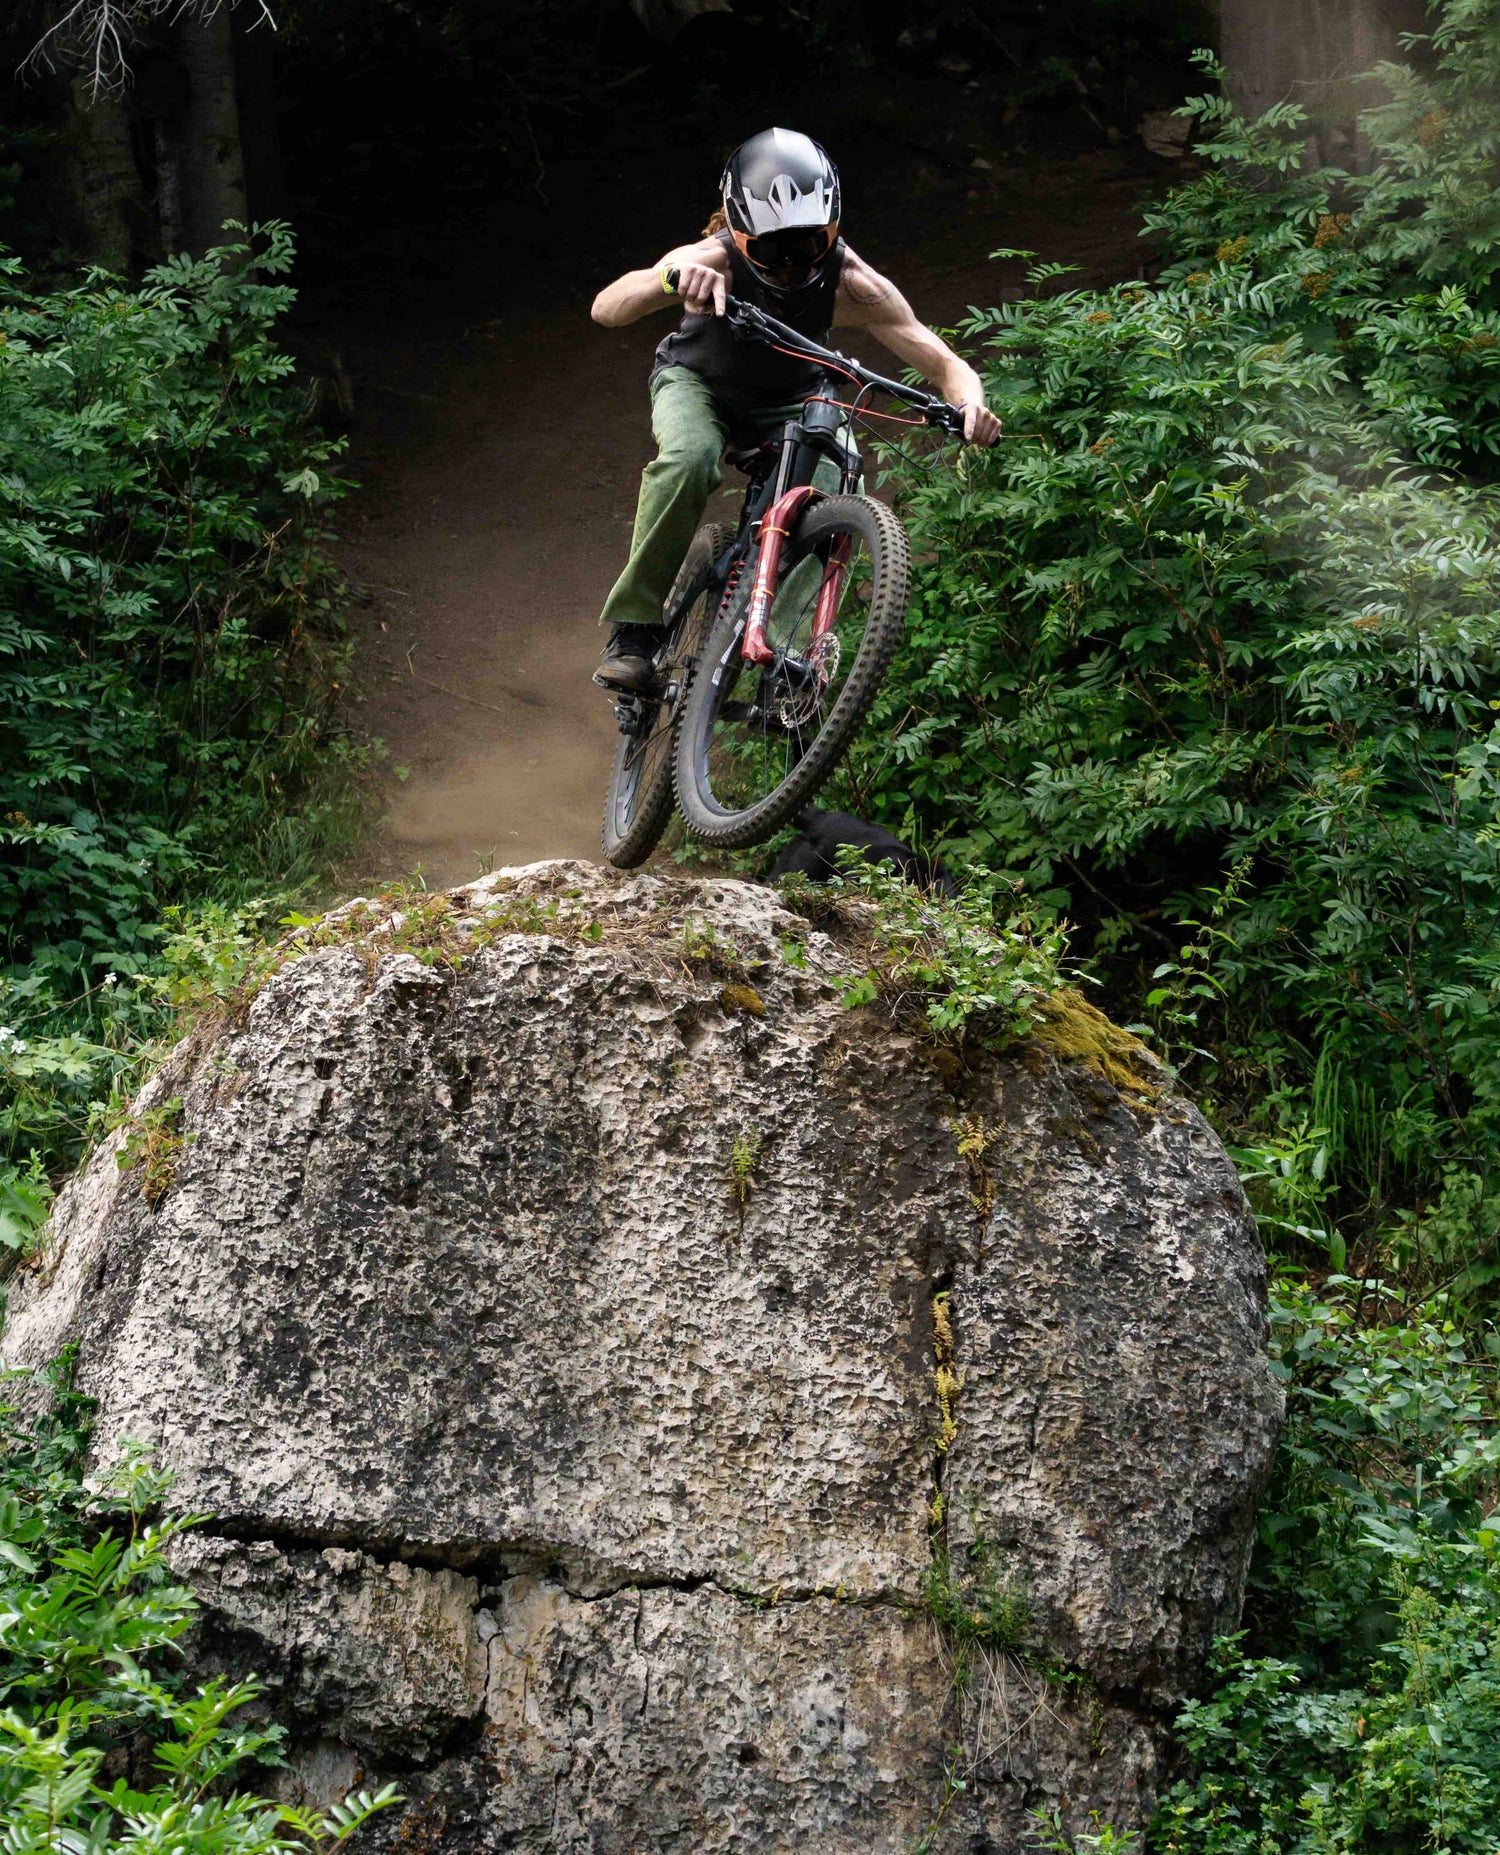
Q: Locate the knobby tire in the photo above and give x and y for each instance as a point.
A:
(890, 557)
(635, 817)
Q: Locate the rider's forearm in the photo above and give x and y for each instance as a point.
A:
(704, 273)
(957, 382)
(630, 297)
(952, 376)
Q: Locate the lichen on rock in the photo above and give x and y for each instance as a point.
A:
(582, 1368)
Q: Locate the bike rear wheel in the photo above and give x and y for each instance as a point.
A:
(639, 801)
(755, 744)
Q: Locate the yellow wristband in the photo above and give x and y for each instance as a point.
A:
(666, 288)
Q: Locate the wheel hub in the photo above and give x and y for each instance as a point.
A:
(797, 701)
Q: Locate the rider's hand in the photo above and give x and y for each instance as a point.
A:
(702, 289)
(980, 424)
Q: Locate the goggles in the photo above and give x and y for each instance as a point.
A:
(799, 248)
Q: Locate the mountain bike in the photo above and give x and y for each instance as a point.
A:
(776, 634)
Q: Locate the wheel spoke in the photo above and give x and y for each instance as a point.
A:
(759, 736)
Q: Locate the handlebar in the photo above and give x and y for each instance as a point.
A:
(746, 319)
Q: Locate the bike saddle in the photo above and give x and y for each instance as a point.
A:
(750, 457)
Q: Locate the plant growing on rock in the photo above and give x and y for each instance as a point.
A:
(1052, 1838)
(969, 967)
(152, 1148)
(978, 1604)
(744, 1158)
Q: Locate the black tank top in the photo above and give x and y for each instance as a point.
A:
(750, 373)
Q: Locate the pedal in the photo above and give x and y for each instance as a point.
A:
(601, 681)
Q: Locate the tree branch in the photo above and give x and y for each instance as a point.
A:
(94, 36)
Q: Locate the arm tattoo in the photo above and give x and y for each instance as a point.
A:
(866, 287)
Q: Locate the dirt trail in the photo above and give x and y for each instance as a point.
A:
(488, 529)
(498, 460)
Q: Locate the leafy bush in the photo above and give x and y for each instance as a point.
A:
(100, 1747)
(1206, 650)
(167, 649)
(971, 966)
(1376, 1724)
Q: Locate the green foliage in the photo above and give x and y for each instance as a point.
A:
(1361, 1714)
(1376, 1725)
(1052, 1838)
(970, 966)
(168, 653)
(25, 1204)
(977, 1602)
(1390, 1447)
(100, 1747)
(1207, 651)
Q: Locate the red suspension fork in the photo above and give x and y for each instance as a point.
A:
(775, 526)
(832, 589)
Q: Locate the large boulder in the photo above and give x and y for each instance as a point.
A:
(630, 1387)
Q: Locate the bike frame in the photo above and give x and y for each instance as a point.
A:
(803, 441)
(763, 530)
(775, 525)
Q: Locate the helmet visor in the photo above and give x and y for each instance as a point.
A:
(795, 250)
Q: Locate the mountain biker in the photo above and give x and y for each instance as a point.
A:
(776, 244)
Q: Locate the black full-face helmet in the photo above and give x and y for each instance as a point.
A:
(781, 198)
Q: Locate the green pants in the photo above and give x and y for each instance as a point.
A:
(691, 428)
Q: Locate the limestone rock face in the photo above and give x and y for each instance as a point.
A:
(385, 1657)
(602, 1353)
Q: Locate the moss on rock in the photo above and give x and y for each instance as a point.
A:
(1071, 1028)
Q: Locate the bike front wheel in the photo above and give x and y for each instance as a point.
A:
(757, 742)
(639, 801)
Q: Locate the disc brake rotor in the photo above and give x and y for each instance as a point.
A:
(797, 708)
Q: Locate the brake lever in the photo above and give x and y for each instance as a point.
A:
(946, 418)
(744, 317)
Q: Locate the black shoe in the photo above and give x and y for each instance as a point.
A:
(627, 658)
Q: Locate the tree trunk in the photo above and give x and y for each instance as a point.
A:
(255, 84)
(99, 202)
(1315, 52)
(209, 158)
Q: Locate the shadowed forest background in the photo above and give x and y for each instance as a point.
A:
(300, 552)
